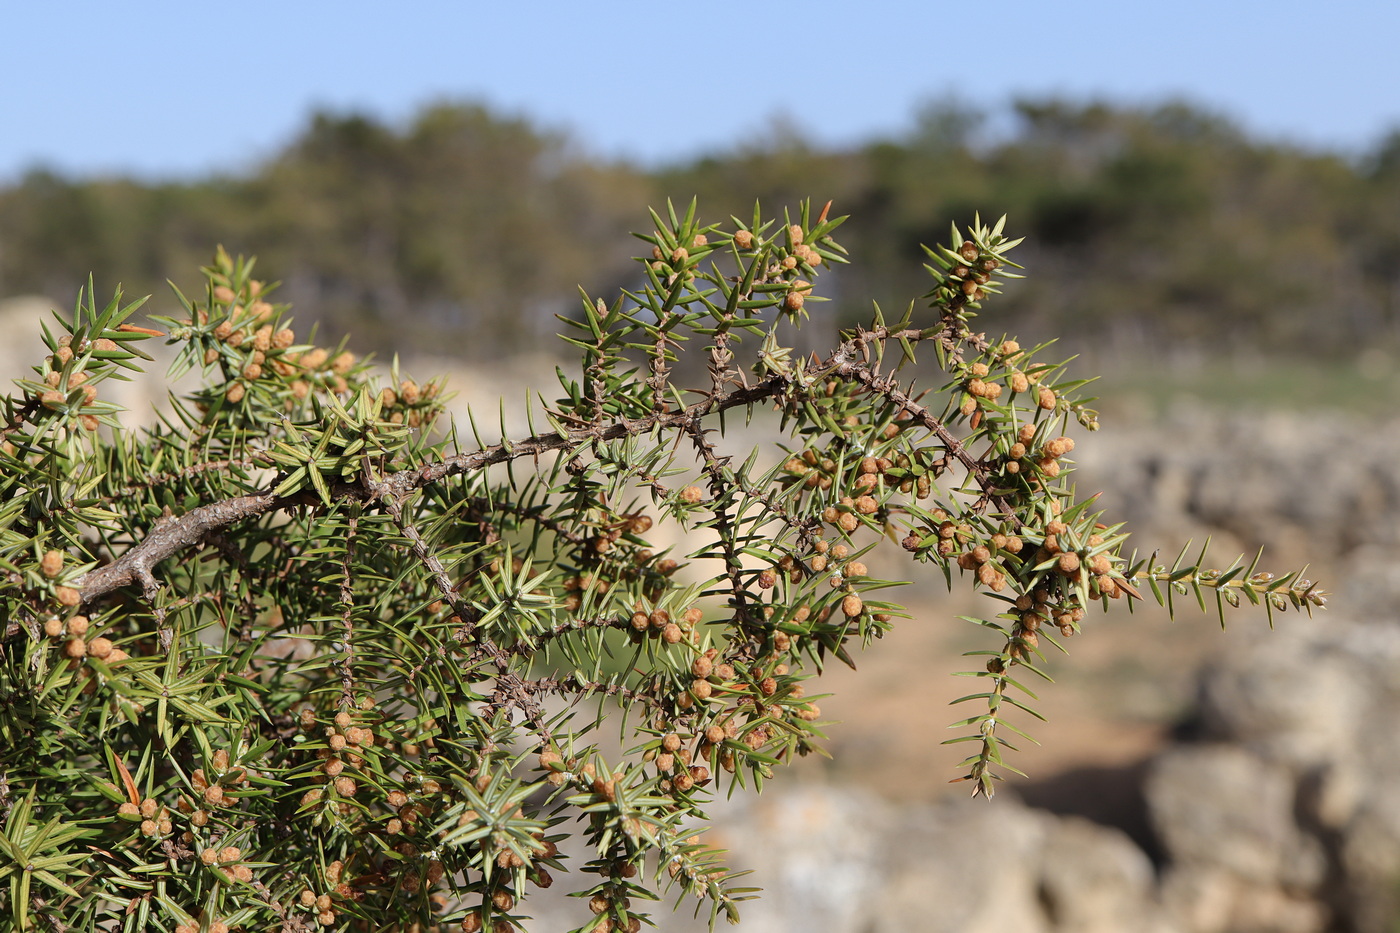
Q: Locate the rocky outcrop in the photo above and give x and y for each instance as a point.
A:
(1237, 859)
(1316, 487)
(1276, 815)
(842, 861)
(1305, 727)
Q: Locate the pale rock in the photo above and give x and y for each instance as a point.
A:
(1204, 900)
(1223, 807)
(1094, 879)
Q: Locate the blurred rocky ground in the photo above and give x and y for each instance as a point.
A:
(1192, 780)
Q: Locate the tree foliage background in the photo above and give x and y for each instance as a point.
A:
(468, 223)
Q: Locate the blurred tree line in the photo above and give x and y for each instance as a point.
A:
(465, 231)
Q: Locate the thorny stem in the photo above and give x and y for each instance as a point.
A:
(193, 528)
(511, 690)
(850, 361)
(573, 683)
(719, 487)
(659, 369)
(347, 617)
(888, 388)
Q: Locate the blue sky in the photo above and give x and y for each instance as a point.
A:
(165, 89)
